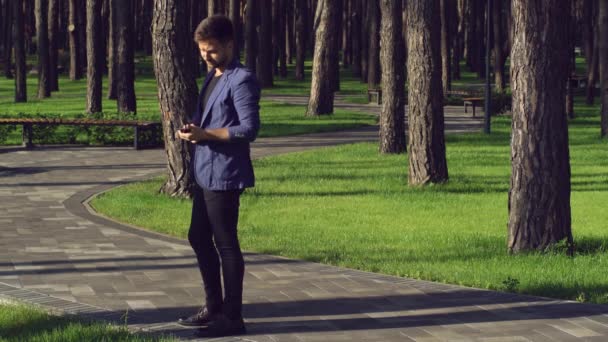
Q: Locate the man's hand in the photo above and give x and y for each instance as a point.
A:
(191, 133)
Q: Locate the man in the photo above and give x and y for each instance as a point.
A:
(225, 122)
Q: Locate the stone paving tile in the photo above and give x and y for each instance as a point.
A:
(55, 253)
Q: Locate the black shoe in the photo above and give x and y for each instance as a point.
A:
(222, 326)
(199, 319)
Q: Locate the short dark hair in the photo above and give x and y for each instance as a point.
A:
(215, 27)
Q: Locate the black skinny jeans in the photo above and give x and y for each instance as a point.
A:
(213, 229)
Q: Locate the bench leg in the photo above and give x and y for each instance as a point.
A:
(473, 109)
(136, 139)
(465, 108)
(27, 136)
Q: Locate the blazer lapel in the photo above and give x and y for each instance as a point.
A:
(219, 87)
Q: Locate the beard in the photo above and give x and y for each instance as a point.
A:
(212, 63)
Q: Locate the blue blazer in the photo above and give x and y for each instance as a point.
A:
(233, 104)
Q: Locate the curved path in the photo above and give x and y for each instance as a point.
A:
(56, 253)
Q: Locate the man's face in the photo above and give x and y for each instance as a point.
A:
(214, 53)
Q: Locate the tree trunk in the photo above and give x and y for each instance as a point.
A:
(211, 7)
(355, 24)
(373, 67)
(82, 36)
(587, 30)
(603, 65)
(176, 90)
(346, 41)
(8, 37)
(301, 12)
(334, 54)
(499, 60)
(290, 26)
(427, 162)
(480, 39)
(148, 6)
(321, 99)
(19, 41)
(30, 26)
(392, 116)
(282, 36)
(251, 34)
(364, 40)
(275, 39)
(458, 9)
(446, 75)
(539, 197)
(94, 59)
(571, 38)
(44, 87)
(264, 67)
(74, 29)
(53, 35)
(235, 16)
(469, 33)
(125, 83)
(593, 71)
(112, 61)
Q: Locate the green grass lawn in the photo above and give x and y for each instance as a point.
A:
(24, 323)
(277, 118)
(350, 206)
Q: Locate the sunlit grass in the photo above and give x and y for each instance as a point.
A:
(24, 323)
(350, 206)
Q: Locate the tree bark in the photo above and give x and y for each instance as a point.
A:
(539, 196)
(19, 41)
(499, 60)
(235, 16)
(469, 33)
(282, 36)
(427, 162)
(264, 67)
(290, 27)
(392, 59)
(458, 9)
(480, 38)
(334, 54)
(177, 91)
(364, 40)
(446, 75)
(125, 86)
(603, 65)
(112, 57)
(7, 37)
(53, 36)
(592, 73)
(251, 34)
(94, 59)
(355, 24)
(373, 68)
(82, 36)
(321, 99)
(74, 29)
(301, 13)
(346, 40)
(44, 86)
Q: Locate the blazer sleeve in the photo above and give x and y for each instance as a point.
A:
(246, 100)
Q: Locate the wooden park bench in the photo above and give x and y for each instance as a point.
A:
(374, 92)
(472, 101)
(28, 123)
(470, 97)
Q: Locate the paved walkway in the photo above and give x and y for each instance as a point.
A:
(56, 253)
